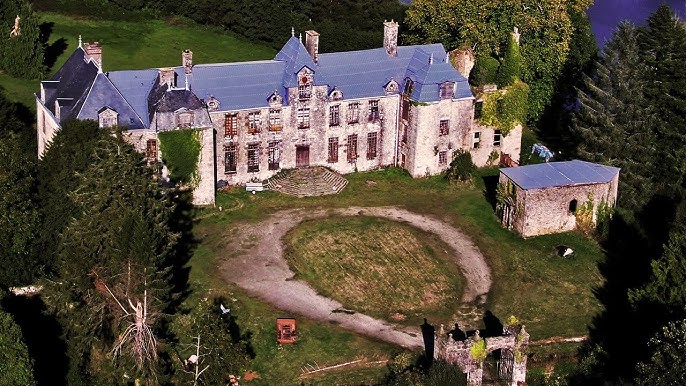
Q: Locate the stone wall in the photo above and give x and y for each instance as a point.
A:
(481, 152)
(46, 126)
(544, 211)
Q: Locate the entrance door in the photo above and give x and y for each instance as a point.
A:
(302, 156)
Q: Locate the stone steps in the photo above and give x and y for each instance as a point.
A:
(307, 182)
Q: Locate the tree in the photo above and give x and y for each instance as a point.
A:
(510, 69)
(16, 366)
(217, 343)
(615, 120)
(22, 55)
(667, 364)
(70, 153)
(546, 29)
(115, 270)
(19, 219)
(461, 167)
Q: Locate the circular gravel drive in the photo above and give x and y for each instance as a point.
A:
(255, 263)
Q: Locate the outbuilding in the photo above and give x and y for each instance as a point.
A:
(555, 197)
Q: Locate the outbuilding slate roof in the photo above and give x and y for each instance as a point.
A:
(552, 174)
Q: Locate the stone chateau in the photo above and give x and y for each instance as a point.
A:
(403, 106)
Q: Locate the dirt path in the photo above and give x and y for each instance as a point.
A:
(255, 262)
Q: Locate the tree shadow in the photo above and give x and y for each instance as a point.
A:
(243, 339)
(53, 51)
(181, 222)
(490, 186)
(41, 332)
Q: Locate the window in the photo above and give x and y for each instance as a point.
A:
(230, 159)
(478, 108)
(373, 111)
(353, 112)
(274, 155)
(572, 206)
(405, 135)
(274, 119)
(444, 127)
(254, 122)
(304, 91)
(303, 117)
(406, 108)
(335, 115)
(253, 158)
(333, 150)
(443, 157)
(447, 90)
(475, 141)
(371, 145)
(231, 125)
(496, 138)
(408, 88)
(352, 148)
(151, 150)
(184, 119)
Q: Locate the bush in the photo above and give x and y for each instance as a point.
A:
(485, 71)
(461, 167)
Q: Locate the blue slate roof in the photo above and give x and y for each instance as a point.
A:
(103, 93)
(247, 85)
(75, 78)
(567, 173)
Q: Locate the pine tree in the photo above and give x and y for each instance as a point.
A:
(510, 69)
(23, 55)
(663, 46)
(114, 266)
(615, 120)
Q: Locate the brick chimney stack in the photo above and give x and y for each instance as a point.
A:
(390, 37)
(94, 52)
(187, 60)
(312, 44)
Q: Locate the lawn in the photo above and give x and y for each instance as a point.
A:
(553, 296)
(379, 267)
(136, 45)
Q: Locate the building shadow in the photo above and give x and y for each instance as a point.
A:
(54, 50)
(428, 333)
(490, 186)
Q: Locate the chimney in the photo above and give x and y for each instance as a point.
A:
(94, 52)
(187, 60)
(168, 77)
(312, 44)
(390, 37)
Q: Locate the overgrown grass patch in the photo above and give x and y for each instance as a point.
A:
(376, 266)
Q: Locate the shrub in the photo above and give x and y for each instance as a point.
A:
(510, 70)
(461, 167)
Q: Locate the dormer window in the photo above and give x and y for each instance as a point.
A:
(212, 104)
(391, 87)
(184, 119)
(275, 99)
(336, 94)
(107, 117)
(305, 84)
(447, 90)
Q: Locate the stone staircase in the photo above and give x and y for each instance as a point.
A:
(307, 182)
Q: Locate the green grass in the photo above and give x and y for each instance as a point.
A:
(139, 44)
(376, 266)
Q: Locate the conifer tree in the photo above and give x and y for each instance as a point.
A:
(615, 120)
(115, 274)
(22, 55)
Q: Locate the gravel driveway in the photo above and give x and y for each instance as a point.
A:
(255, 263)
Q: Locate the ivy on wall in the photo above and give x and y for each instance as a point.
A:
(505, 108)
(180, 153)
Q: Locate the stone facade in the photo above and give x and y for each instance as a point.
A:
(412, 110)
(512, 345)
(553, 209)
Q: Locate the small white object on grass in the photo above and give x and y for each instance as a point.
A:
(224, 309)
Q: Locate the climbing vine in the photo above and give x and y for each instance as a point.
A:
(478, 350)
(180, 153)
(506, 108)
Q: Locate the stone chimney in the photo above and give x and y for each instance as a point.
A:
(463, 59)
(94, 52)
(312, 44)
(390, 37)
(187, 60)
(168, 77)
